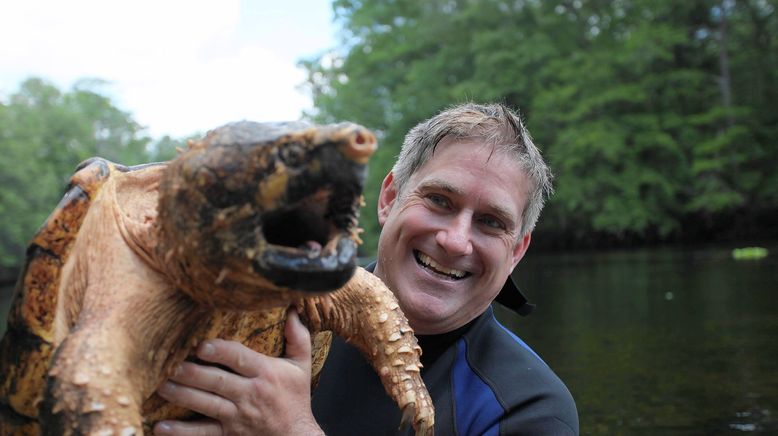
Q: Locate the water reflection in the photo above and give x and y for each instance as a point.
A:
(654, 342)
(658, 341)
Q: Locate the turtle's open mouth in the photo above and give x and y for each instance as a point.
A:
(297, 228)
(310, 245)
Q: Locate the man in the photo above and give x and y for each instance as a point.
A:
(456, 211)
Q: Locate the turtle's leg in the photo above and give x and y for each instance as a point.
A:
(366, 314)
(114, 360)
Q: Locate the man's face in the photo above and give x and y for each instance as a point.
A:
(450, 241)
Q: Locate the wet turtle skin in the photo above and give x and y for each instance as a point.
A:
(136, 265)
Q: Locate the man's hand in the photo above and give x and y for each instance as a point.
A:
(265, 395)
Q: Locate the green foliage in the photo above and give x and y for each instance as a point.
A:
(652, 114)
(166, 148)
(44, 134)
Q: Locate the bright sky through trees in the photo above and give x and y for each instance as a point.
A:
(178, 66)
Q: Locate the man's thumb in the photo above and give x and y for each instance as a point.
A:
(298, 338)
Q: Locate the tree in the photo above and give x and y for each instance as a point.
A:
(655, 116)
(44, 134)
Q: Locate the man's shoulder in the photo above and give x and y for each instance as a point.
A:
(487, 379)
(496, 361)
(494, 349)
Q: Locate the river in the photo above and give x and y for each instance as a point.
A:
(661, 341)
(673, 341)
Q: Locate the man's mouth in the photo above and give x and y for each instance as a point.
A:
(429, 264)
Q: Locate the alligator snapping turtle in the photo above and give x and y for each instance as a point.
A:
(136, 265)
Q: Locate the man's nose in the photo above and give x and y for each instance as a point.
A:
(455, 236)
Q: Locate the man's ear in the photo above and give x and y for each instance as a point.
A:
(386, 198)
(521, 248)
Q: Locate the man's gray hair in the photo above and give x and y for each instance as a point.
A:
(492, 124)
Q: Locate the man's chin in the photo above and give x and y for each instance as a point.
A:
(427, 312)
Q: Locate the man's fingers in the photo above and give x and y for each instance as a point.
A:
(191, 428)
(234, 355)
(208, 378)
(199, 401)
(254, 394)
(298, 339)
(248, 362)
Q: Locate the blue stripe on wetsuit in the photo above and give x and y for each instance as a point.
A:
(476, 406)
(477, 410)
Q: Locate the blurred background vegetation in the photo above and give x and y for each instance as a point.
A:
(44, 133)
(657, 117)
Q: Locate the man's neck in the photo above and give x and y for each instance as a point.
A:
(433, 346)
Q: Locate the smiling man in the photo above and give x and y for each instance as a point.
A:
(457, 211)
(452, 234)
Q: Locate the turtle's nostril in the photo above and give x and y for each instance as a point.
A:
(360, 147)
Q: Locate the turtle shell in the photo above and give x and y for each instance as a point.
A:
(34, 319)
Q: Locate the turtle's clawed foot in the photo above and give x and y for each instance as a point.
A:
(423, 421)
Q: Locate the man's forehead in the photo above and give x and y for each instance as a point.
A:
(471, 151)
(487, 151)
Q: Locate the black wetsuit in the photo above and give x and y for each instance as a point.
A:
(483, 380)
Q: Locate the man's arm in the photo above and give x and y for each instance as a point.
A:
(264, 395)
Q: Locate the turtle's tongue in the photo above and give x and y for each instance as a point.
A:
(312, 248)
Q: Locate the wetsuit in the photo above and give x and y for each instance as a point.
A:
(483, 380)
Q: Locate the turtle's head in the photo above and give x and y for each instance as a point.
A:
(254, 208)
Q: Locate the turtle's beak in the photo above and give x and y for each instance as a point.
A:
(327, 271)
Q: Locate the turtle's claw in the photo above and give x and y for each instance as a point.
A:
(409, 412)
(423, 425)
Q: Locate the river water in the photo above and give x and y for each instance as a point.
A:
(659, 342)
(653, 342)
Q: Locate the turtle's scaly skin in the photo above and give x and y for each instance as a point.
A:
(137, 265)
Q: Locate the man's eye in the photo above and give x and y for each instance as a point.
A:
(492, 222)
(437, 200)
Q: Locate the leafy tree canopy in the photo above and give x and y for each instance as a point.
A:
(655, 116)
(44, 134)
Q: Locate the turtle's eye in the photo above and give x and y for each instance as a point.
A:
(293, 154)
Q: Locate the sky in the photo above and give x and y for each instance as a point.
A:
(177, 66)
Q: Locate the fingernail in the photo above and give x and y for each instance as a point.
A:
(166, 388)
(178, 370)
(162, 428)
(207, 350)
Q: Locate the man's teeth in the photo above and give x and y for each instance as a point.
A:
(427, 261)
